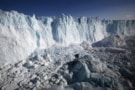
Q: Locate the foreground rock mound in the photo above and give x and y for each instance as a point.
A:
(77, 67)
(86, 73)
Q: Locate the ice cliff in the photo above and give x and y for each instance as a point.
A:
(21, 34)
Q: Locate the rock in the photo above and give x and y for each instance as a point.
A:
(28, 64)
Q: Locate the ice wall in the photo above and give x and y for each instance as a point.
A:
(21, 34)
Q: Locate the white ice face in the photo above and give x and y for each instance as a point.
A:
(20, 34)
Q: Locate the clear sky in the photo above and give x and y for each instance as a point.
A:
(113, 9)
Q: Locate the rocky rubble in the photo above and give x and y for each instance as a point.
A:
(77, 67)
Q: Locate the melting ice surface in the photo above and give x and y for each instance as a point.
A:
(21, 34)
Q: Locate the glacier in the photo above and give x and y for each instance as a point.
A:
(21, 34)
(66, 53)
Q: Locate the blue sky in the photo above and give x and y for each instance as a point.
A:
(112, 9)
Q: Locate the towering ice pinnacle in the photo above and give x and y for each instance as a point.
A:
(21, 34)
